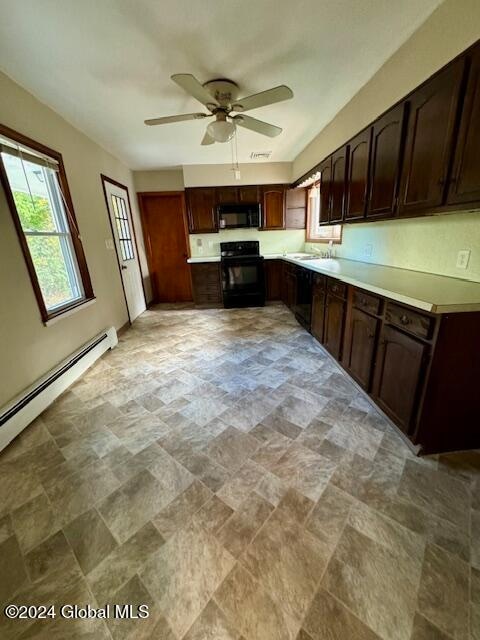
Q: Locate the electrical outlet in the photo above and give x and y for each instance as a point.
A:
(462, 259)
(368, 250)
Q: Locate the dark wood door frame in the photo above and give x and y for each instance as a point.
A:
(142, 196)
(104, 179)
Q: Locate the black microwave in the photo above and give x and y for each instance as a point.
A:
(239, 216)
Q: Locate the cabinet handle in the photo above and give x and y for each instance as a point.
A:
(370, 334)
(405, 319)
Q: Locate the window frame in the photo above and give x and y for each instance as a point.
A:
(74, 233)
(309, 237)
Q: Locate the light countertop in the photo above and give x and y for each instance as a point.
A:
(427, 291)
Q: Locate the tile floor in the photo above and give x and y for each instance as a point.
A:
(220, 468)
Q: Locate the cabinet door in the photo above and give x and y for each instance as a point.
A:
(398, 376)
(289, 289)
(465, 184)
(248, 194)
(429, 141)
(339, 174)
(226, 195)
(274, 207)
(385, 161)
(357, 176)
(273, 279)
(296, 209)
(362, 339)
(318, 312)
(201, 210)
(334, 321)
(206, 283)
(325, 190)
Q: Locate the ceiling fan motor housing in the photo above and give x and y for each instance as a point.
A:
(224, 91)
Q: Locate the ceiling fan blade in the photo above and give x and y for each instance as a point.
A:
(207, 139)
(192, 86)
(259, 126)
(264, 98)
(179, 118)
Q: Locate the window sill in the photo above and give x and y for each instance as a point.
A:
(69, 311)
(324, 240)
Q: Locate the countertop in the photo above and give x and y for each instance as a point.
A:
(426, 291)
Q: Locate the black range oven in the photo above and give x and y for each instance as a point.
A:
(243, 276)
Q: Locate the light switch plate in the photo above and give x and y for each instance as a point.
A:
(109, 244)
(462, 259)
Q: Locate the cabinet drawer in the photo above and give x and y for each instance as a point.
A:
(416, 323)
(367, 302)
(337, 288)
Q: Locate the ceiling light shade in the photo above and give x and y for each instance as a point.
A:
(221, 130)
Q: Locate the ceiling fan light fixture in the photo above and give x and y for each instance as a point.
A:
(221, 130)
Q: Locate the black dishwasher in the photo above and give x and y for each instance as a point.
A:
(303, 302)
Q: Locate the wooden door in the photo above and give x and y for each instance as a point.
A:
(362, 340)
(385, 162)
(325, 190)
(465, 184)
(273, 207)
(357, 176)
(273, 279)
(339, 174)
(165, 231)
(249, 193)
(318, 312)
(226, 195)
(334, 322)
(399, 373)
(429, 141)
(202, 216)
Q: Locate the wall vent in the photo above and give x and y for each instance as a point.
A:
(260, 155)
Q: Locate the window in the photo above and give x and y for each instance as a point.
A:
(123, 228)
(39, 200)
(315, 232)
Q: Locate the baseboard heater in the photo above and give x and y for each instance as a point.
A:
(23, 409)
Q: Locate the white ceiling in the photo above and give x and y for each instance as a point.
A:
(105, 65)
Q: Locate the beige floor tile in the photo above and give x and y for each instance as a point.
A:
(249, 608)
(90, 539)
(178, 512)
(231, 448)
(328, 619)
(33, 522)
(241, 484)
(212, 623)
(329, 515)
(213, 515)
(288, 561)
(12, 568)
(305, 470)
(50, 556)
(376, 583)
(241, 527)
(443, 594)
(184, 573)
(425, 630)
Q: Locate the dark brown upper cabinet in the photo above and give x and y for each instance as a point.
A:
(325, 169)
(385, 162)
(356, 191)
(249, 193)
(464, 186)
(296, 209)
(339, 175)
(226, 195)
(273, 207)
(429, 141)
(201, 208)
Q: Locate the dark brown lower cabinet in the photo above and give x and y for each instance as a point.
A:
(334, 322)
(289, 290)
(318, 307)
(399, 376)
(273, 279)
(358, 358)
(207, 289)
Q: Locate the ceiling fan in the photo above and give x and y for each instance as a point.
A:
(220, 97)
